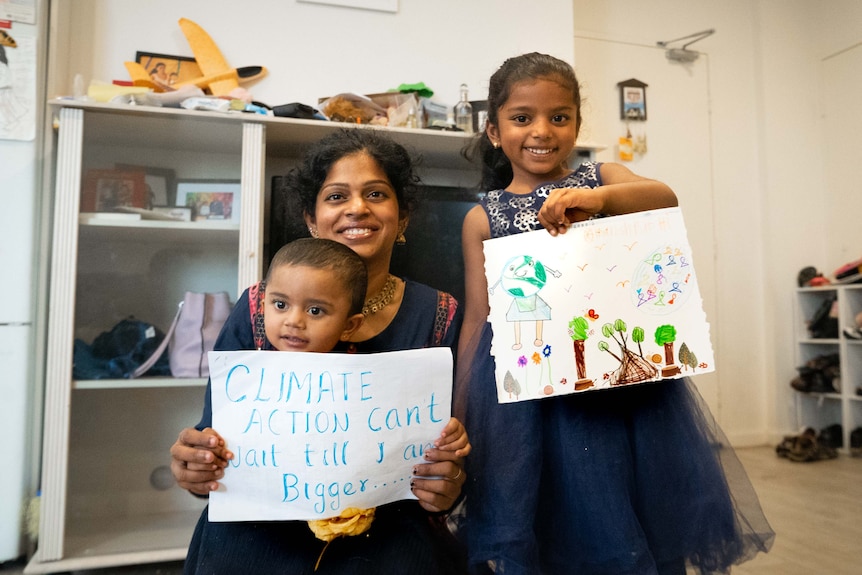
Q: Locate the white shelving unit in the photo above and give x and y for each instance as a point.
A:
(107, 496)
(844, 406)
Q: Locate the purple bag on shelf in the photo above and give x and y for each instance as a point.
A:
(192, 334)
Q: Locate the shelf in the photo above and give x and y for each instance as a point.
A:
(139, 383)
(819, 410)
(160, 231)
(180, 129)
(127, 541)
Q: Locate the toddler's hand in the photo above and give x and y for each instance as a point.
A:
(454, 438)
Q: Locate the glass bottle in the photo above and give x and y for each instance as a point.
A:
(464, 112)
(412, 122)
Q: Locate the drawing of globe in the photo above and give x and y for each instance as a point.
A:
(663, 281)
(523, 276)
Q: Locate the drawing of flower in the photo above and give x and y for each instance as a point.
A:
(522, 362)
(546, 352)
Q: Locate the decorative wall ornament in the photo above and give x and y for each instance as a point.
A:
(632, 100)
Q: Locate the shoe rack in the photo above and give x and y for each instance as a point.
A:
(818, 406)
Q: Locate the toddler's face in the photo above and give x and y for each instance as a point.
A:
(307, 309)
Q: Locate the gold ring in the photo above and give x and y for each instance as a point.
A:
(457, 476)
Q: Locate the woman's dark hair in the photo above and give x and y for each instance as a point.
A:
(322, 254)
(306, 180)
(496, 168)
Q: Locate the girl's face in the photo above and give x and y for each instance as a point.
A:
(307, 309)
(357, 206)
(537, 128)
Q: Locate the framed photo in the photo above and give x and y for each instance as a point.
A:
(379, 5)
(210, 199)
(106, 190)
(633, 100)
(161, 183)
(167, 70)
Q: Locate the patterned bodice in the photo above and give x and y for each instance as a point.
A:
(510, 213)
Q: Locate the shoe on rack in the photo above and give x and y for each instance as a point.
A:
(856, 442)
(832, 436)
(853, 332)
(804, 447)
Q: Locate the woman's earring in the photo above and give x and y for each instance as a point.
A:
(401, 240)
(495, 144)
(312, 231)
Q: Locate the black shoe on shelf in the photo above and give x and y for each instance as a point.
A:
(856, 442)
(832, 436)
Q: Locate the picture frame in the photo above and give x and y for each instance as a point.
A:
(377, 5)
(210, 200)
(105, 190)
(166, 69)
(633, 100)
(162, 183)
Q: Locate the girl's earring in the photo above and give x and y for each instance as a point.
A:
(495, 144)
(312, 231)
(401, 239)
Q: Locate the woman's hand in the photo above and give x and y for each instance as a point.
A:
(438, 484)
(198, 459)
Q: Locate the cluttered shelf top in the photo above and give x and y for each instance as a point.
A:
(222, 132)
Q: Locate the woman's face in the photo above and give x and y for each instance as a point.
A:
(357, 206)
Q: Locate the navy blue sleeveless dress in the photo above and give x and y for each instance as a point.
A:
(634, 480)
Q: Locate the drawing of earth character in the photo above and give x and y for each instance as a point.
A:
(523, 277)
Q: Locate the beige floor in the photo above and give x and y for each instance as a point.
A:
(815, 509)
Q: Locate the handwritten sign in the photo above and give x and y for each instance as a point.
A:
(316, 433)
(612, 302)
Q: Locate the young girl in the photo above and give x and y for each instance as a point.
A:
(631, 480)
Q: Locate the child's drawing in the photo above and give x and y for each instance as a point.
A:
(523, 277)
(624, 300)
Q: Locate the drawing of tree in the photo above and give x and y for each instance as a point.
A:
(511, 385)
(687, 357)
(633, 367)
(638, 338)
(665, 335)
(578, 328)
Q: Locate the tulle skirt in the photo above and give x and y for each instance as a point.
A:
(630, 480)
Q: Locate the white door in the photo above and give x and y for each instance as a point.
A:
(678, 148)
(842, 125)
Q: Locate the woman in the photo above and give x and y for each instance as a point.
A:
(354, 187)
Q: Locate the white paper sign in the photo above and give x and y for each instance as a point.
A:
(316, 433)
(613, 301)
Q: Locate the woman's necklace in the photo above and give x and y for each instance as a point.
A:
(382, 299)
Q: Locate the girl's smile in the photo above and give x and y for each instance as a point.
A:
(537, 128)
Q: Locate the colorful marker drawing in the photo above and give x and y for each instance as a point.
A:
(522, 278)
(634, 316)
